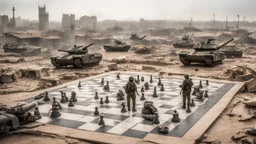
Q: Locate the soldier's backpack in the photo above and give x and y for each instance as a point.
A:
(130, 88)
(187, 85)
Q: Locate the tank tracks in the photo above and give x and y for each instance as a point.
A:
(77, 63)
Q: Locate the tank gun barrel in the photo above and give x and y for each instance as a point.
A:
(20, 109)
(142, 37)
(84, 48)
(225, 43)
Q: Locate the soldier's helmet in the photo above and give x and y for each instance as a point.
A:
(186, 76)
(130, 78)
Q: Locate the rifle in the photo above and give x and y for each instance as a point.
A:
(135, 91)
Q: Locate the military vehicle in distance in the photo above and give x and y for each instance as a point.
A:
(232, 51)
(205, 52)
(24, 49)
(135, 37)
(185, 43)
(78, 57)
(119, 46)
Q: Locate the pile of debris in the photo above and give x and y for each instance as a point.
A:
(144, 49)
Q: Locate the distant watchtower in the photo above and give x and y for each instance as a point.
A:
(13, 17)
(43, 18)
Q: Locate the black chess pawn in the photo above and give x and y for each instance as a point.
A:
(123, 110)
(151, 79)
(101, 120)
(194, 91)
(55, 111)
(118, 76)
(175, 118)
(73, 96)
(155, 94)
(146, 85)
(162, 87)
(54, 102)
(200, 84)
(142, 79)
(37, 113)
(206, 94)
(106, 87)
(79, 84)
(96, 112)
(142, 89)
(46, 97)
(96, 96)
(106, 100)
(66, 97)
(102, 81)
(71, 104)
(156, 119)
(207, 82)
(62, 100)
(101, 101)
(159, 82)
(192, 103)
(142, 97)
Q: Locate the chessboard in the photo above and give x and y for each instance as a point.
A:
(130, 124)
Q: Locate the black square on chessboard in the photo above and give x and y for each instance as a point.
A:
(80, 112)
(135, 133)
(67, 123)
(104, 128)
(166, 106)
(115, 117)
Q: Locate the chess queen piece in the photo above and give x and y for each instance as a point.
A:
(73, 96)
(123, 110)
(155, 94)
(175, 118)
(101, 120)
(79, 84)
(186, 90)
(131, 90)
(46, 97)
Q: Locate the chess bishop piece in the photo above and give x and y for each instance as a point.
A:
(155, 94)
(192, 103)
(162, 87)
(156, 119)
(123, 110)
(79, 84)
(142, 97)
(175, 118)
(151, 79)
(73, 96)
(96, 96)
(96, 112)
(71, 104)
(106, 100)
(55, 111)
(46, 97)
(101, 120)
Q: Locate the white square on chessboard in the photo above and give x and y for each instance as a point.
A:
(134, 119)
(45, 108)
(44, 120)
(87, 119)
(162, 110)
(165, 117)
(117, 130)
(110, 122)
(143, 127)
(126, 124)
(70, 116)
(90, 126)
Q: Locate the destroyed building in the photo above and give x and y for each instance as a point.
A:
(68, 22)
(88, 22)
(43, 18)
(29, 37)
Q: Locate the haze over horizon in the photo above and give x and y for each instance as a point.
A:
(134, 9)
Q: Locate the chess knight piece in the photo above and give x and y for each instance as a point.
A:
(131, 90)
(186, 90)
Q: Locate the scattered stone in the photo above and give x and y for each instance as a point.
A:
(121, 59)
(112, 66)
(163, 129)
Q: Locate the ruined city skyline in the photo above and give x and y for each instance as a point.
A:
(134, 10)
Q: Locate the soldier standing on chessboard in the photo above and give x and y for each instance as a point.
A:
(131, 89)
(186, 91)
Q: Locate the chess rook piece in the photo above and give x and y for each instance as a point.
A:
(151, 79)
(162, 87)
(175, 117)
(73, 96)
(106, 100)
(118, 76)
(46, 97)
(192, 103)
(79, 84)
(142, 79)
(159, 82)
(207, 82)
(106, 87)
(146, 85)
(156, 119)
(96, 112)
(123, 110)
(142, 89)
(155, 94)
(71, 104)
(142, 97)
(101, 121)
(188, 110)
(55, 111)
(96, 96)
(102, 81)
(36, 112)
(200, 84)
(206, 94)
(101, 101)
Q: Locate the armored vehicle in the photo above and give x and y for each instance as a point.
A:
(135, 37)
(232, 51)
(185, 43)
(78, 57)
(205, 52)
(119, 46)
(24, 49)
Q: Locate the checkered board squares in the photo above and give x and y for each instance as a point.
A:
(130, 124)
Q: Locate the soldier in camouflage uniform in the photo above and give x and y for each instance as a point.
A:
(130, 90)
(186, 90)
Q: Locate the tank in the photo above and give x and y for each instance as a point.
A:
(205, 52)
(232, 51)
(24, 49)
(119, 46)
(185, 43)
(135, 37)
(78, 57)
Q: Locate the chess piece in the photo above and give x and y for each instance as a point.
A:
(101, 121)
(71, 104)
(62, 100)
(207, 82)
(155, 94)
(106, 87)
(65, 96)
(55, 111)
(123, 110)
(200, 84)
(101, 101)
(175, 117)
(151, 79)
(156, 119)
(138, 79)
(37, 113)
(192, 103)
(206, 94)
(96, 112)
(188, 110)
(79, 84)
(73, 96)
(56, 103)
(46, 97)
(163, 129)
(146, 85)
(106, 100)
(162, 87)
(142, 79)
(159, 82)
(102, 81)
(118, 76)
(194, 91)
(142, 97)
(120, 95)
(96, 96)
(142, 89)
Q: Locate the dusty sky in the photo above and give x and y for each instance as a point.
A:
(134, 9)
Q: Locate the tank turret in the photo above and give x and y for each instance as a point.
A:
(77, 50)
(134, 36)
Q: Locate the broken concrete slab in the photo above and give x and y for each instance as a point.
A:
(8, 77)
(251, 85)
(144, 67)
(112, 66)
(46, 82)
(70, 77)
(35, 73)
(121, 59)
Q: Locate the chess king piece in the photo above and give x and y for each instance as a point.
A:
(96, 112)
(46, 97)
(142, 89)
(79, 84)
(151, 79)
(156, 119)
(159, 82)
(106, 100)
(96, 96)
(200, 84)
(102, 81)
(56, 103)
(155, 94)
(37, 113)
(131, 90)
(101, 101)
(192, 103)
(101, 120)
(55, 111)
(186, 90)
(118, 76)
(142, 79)
(146, 85)
(175, 118)
(142, 97)
(73, 96)
(123, 110)
(206, 94)
(71, 104)
(106, 87)
(207, 82)
(162, 87)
